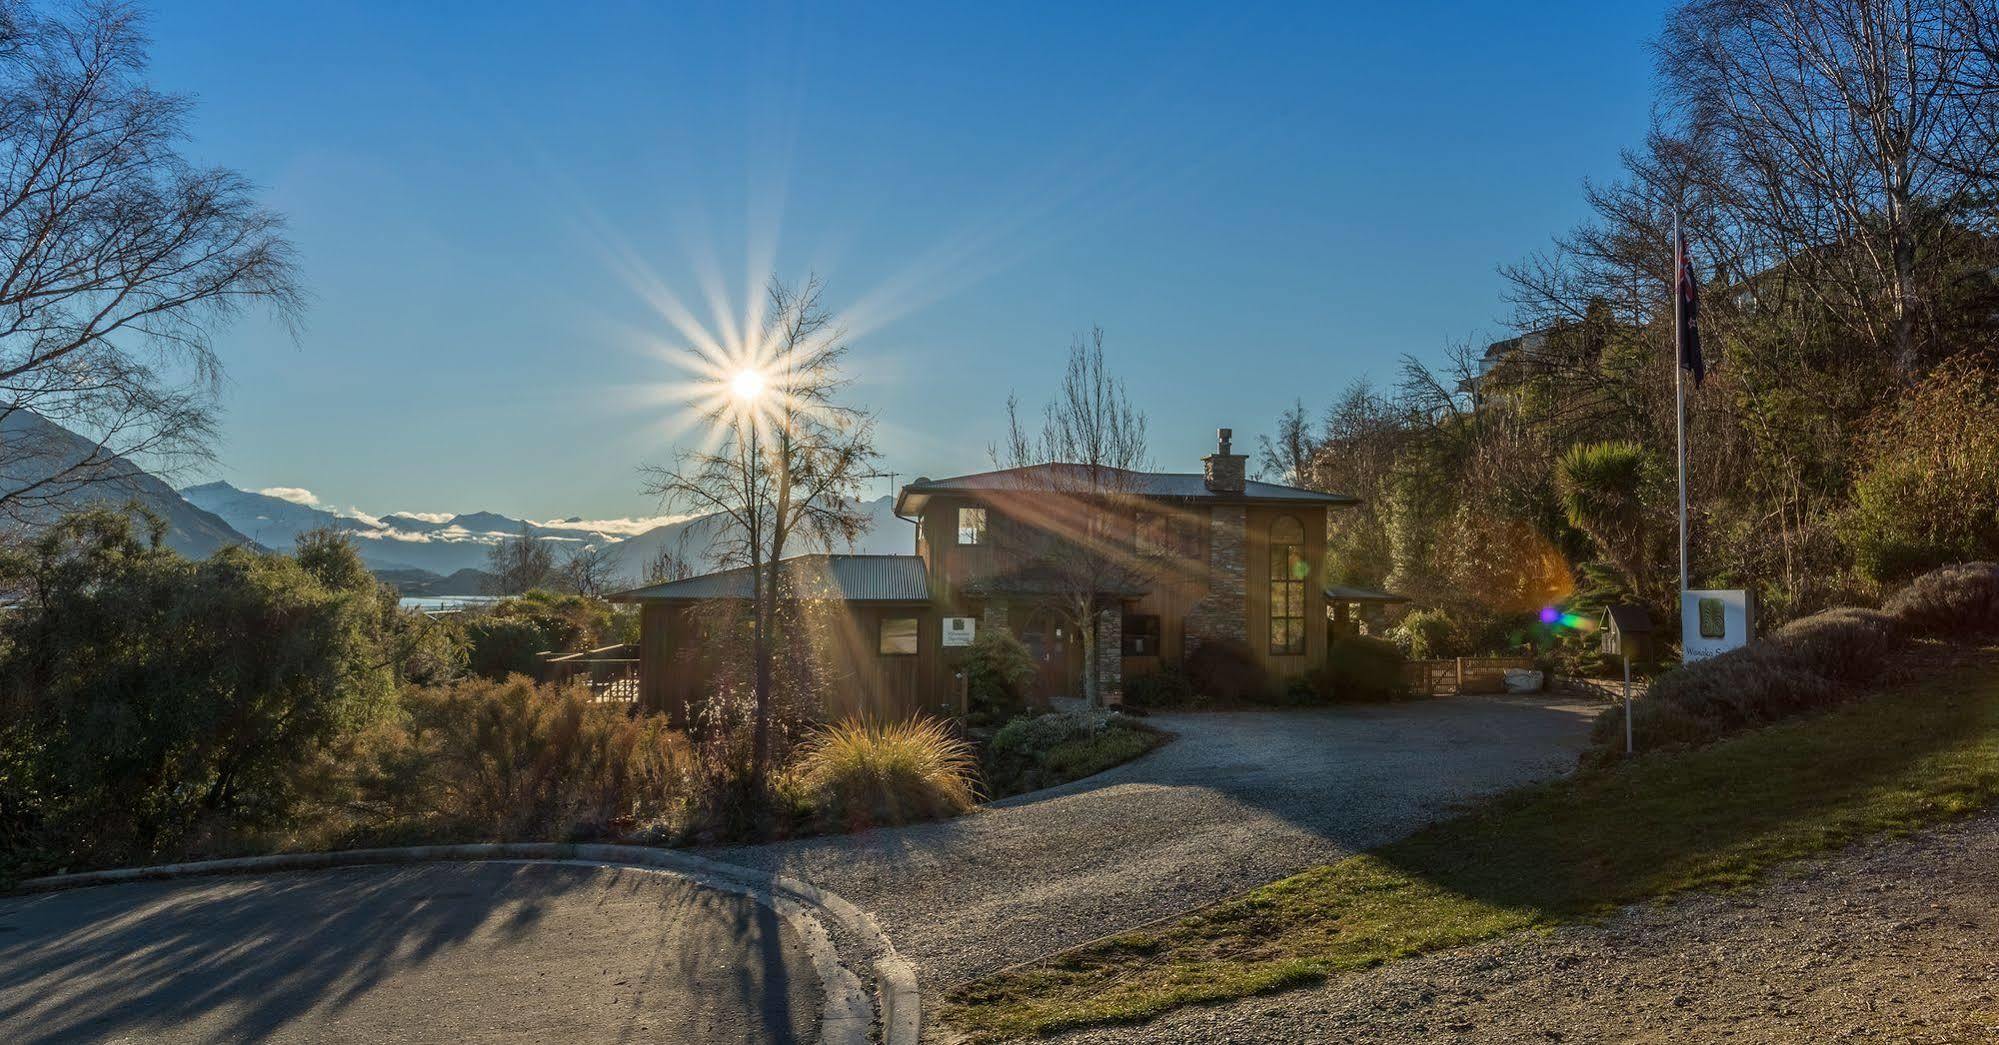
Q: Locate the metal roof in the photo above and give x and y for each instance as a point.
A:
(1075, 478)
(1342, 593)
(848, 578)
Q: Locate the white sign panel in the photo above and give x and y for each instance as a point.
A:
(1715, 621)
(959, 631)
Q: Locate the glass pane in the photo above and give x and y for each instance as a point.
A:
(898, 636)
(1286, 530)
(971, 526)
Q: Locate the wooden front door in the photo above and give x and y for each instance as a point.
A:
(1048, 640)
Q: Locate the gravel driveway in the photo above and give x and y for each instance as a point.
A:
(1236, 800)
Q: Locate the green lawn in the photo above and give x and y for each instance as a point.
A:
(1713, 819)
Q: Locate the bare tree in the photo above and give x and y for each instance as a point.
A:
(1849, 145)
(117, 256)
(589, 570)
(787, 469)
(1077, 486)
(1289, 455)
(522, 562)
(671, 562)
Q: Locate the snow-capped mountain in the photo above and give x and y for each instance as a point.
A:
(444, 545)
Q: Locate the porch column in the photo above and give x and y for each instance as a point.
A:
(1110, 657)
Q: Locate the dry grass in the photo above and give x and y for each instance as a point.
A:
(859, 774)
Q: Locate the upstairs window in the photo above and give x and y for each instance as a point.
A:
(1154, 536)
(971, 526)
(1289, 570)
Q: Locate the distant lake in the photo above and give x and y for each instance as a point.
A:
(446, 603)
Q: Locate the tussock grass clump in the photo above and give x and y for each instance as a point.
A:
(1954, 600)
(858, 774)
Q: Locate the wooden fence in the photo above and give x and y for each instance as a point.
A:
(1461, 674)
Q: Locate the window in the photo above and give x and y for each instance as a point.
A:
(1153, 538)
(1190, 530)
(971, 526)
(898, 637)
(1288, 572)
(1141, 635)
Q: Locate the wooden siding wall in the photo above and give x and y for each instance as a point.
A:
(677, 668)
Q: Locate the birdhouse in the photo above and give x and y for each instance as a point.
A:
(1626, 632)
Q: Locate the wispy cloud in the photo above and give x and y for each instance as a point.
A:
(294, 494)
(429, 517)
(622, 527)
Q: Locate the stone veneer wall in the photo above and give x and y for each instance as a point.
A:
(1110, 657)
(1224, 611)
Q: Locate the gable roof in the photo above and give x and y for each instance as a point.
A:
(1630, 620)
(848, 578)
(1187, 486)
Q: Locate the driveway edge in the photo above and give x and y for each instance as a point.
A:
(847, 1016)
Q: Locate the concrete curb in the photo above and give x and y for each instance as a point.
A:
(847, 1016)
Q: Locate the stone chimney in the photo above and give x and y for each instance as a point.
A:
(1224, 469)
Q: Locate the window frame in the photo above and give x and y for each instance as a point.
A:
(1126, 633)
(1287, 590)
(915, 637)
(980, 532)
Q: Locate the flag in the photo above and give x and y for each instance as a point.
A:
(1688, 332)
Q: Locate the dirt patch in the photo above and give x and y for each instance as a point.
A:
(1896, 941)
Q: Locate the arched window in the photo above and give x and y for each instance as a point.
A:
(1289, 570)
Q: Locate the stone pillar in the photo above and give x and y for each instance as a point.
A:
(1110, 657)
(1223, 613)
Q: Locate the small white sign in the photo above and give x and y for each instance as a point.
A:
(959, 631)
(1715, 621)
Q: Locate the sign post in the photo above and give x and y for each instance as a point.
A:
(1626, 630)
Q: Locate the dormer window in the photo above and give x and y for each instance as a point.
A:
(971, 526)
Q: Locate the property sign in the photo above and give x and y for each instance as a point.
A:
(959, 631)
(1715, 621)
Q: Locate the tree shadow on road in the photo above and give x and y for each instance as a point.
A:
(592, 952)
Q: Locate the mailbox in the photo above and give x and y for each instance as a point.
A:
(1626, 632)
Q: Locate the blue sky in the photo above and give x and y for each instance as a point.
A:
(1257, 204)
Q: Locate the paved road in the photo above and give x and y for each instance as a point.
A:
(433, 952)
(1236, 800)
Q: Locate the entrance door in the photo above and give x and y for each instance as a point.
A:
(1047, 640)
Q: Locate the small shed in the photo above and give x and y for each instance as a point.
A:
(1626, 631)
(1348, 607)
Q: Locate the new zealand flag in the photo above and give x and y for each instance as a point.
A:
(1690, 317)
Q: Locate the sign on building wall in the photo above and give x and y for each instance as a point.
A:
(959, 631)
(1715, 621)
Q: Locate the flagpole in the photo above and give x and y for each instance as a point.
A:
(1679, 382)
